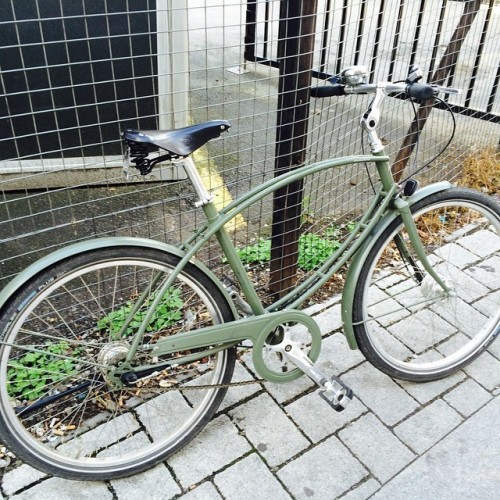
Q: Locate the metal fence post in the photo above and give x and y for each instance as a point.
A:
(173, 64)
(250, 29)
(295, 55)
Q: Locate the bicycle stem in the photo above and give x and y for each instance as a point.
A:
(370, 119)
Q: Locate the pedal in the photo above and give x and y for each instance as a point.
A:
(332, 390)
(336, 394)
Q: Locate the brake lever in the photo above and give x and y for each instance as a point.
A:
(445, 90)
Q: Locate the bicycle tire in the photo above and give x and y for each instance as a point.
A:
(91, 429)
(403, 323)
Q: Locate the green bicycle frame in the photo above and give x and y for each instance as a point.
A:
(222, 336)
(216, 220)
(384, 208)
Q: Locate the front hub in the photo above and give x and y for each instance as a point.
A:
(432, 290)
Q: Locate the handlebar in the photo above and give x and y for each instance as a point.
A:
(413, 89)
(352, 80)
(332, 90)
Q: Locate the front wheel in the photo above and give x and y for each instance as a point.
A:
(404, 323)
(63, 409)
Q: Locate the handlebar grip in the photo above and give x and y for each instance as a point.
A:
(420, 91)
(328, 91)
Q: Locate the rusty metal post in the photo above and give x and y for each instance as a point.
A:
(295, 56)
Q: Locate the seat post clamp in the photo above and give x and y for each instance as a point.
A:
(202, 202)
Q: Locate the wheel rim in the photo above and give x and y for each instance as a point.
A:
(143, 418)
(453, 333)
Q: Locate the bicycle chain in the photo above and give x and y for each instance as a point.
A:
(207, 386)
(218, 386)
(210, 386)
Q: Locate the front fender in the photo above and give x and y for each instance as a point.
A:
(361, 255)
(84, 246)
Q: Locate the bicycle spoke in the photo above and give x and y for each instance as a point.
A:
(65, 384)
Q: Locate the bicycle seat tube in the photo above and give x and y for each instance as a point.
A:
(205, 201)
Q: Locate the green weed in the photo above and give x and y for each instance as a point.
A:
(166, 314)
(30, 376)
(313, 249)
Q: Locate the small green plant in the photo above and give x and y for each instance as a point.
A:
(166, 314)
(314, 250)
(336, 231)
(30, 376)
(258, 253)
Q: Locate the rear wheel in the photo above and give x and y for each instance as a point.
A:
(62, 408)
(405, 324)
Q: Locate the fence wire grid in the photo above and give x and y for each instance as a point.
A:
(75, 73)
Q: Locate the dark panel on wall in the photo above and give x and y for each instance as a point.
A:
(73, 74)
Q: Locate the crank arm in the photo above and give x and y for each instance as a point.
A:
(333, 390)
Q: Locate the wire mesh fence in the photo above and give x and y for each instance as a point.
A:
(76, 73)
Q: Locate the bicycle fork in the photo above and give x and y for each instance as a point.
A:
(405, 212)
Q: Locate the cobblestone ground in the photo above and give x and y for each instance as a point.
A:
(396, 440)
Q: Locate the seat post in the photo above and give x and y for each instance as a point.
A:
(204, 197)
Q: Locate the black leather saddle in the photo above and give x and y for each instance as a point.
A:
(179, 142)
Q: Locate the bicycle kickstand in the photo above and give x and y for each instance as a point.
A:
(332, 390)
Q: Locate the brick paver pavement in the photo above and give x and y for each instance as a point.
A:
(396, 440)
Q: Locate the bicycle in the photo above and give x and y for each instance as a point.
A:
(116, 352)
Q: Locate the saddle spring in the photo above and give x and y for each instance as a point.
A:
(138, 156)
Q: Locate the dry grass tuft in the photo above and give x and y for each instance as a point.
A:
(481, 171)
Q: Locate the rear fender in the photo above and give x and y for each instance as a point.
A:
(94, 244)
